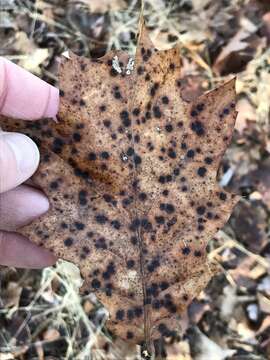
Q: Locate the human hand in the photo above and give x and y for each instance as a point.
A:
(24, 96)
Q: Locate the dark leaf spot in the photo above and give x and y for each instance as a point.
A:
(201, 171)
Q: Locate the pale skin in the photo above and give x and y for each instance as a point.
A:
(24, 96)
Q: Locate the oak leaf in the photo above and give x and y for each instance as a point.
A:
(130, 171)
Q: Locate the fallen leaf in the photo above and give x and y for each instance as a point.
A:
(264, 303)
(261, 179)
(11, 295)
(265, 326)
(205, 348)
(197, 310)
(199, 5)
(91, 24)
(239, 50)
(237, 43)
(246, 112)
(130, 170)
(249, 225)
(266, 25)
(102, 6)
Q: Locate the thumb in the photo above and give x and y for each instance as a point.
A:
(19, 158)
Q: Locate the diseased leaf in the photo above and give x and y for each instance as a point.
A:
(130, 170)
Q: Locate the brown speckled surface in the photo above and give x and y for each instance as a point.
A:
(130, 170)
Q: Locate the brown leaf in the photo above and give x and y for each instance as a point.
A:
(266, 26)
(11, 296)
(102, 6)
(239, 50)
(246, 112)
(130, 170)
(261, 179)
(249, 224)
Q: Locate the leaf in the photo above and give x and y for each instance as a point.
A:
(205, 348)
(130, 170)
(238, 50)
(246, 112)
(103, 6)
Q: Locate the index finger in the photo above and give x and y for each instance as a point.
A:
(24, 95)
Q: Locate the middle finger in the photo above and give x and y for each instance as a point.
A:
(18, 207)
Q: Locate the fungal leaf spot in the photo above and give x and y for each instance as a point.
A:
(129, 169)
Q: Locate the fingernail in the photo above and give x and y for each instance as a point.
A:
(53, 103)
(42, 205)
(24, 150)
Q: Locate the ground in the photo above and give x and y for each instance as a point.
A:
(41, 314)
